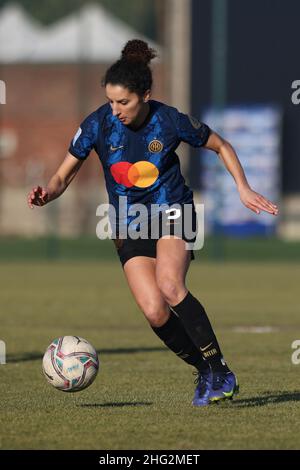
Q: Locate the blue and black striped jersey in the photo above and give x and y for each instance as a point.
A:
(142, 164)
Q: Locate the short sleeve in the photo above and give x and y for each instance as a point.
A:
(191, 130)
(85, 138)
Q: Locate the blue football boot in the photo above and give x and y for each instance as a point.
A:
(223, 386)
(202, 391)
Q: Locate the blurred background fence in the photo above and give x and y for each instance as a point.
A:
(230, 63)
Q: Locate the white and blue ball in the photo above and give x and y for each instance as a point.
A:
(70, 364)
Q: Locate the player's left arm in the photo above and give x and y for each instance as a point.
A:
(251, 199)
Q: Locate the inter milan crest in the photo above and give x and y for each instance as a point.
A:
(155, 146)
(195, 123)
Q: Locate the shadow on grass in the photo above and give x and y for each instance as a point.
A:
(115, 404)
(35, 356)
(268, 399)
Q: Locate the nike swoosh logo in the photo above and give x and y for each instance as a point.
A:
(204, 349)
(113, 149)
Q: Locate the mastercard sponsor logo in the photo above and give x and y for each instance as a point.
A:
(140, 174)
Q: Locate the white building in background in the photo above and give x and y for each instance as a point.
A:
(48, 92)
(19, 34)
(91, 34)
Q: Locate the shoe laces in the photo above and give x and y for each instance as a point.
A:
(201, 380)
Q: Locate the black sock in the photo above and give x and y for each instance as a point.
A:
(173, 334)
(198, 327)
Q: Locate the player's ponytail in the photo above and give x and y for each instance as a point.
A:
(137, 50)
(132, 70)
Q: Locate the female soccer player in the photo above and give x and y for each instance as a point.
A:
(136, 138)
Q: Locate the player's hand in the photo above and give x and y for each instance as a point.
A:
(37, 197)
(256, 202)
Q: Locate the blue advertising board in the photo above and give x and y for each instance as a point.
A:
(255, 134)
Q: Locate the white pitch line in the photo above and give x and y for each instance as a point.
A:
(255, 329)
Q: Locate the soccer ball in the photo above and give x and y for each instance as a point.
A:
(70, 363)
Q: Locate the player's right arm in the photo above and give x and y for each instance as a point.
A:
(59, 182)
(81, 145)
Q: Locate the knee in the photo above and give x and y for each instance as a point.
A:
(156, 313)
(172, 291)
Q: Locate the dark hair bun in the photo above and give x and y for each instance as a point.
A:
(138, 50)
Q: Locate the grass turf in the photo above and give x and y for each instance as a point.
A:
(142, 396)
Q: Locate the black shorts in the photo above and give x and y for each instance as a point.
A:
(128, 248)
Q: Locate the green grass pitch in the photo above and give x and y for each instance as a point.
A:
(142, 396)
